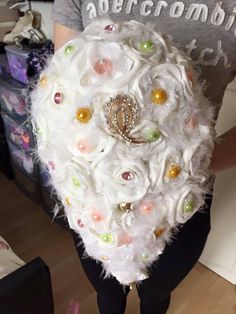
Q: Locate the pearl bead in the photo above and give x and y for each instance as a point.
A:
(104, 258)
(154, 135)
(128, 175)
(69, 49)
(83, 115)
(80, 224)
(110, 28)
(147, 207)
(68, 201)
(144, 256)
(124, 239)
(43, 81)
(51, 164)
(96, 217)
(158, 232)
(146, 46)
(107, 237)
(103, 66)
(191, 122)
(76, 181)
(188, 206)
(58, 98)
(173, 171)
(159, 96)
(83, 146)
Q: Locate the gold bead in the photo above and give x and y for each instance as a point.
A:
(125, 206)
(159, 96)
(158, 232)
(84, 114)
(173, 171)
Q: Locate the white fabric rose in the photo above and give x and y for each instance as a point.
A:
(121, 180)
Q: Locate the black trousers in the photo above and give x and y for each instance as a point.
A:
(167, 272)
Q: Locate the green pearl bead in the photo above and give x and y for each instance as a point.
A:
(154, 135)
(146, 46)
(69, 49)
(106, 237)
(144, 256)
(188, 206)
(76, 181)
(38, 131)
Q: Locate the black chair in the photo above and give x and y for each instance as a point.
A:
(27, 290)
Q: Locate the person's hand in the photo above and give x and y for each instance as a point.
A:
(62, 34)
(224, 153)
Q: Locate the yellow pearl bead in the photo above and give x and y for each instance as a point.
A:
(43, 81)
(173, 171)
(159, 96)
(104, 258)
(83, 115)
(68, 201)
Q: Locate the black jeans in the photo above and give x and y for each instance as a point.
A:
(172, 266)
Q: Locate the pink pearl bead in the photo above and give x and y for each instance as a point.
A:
(80, 224)
(58, 98)
(191, 122)
(96, 217)
(124, 239)
(51, 165)
(83, 146)
(128, 175)
(103, 66)
(110, 28)
(147, 207)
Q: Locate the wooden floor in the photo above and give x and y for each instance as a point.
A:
(29, 231)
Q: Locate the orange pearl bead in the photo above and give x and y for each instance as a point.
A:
(147, 207)
(83, 146)
(159, 96)
(96, 217)
(173, 171)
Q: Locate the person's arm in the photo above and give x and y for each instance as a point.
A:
(62, 34)
(224, 154)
